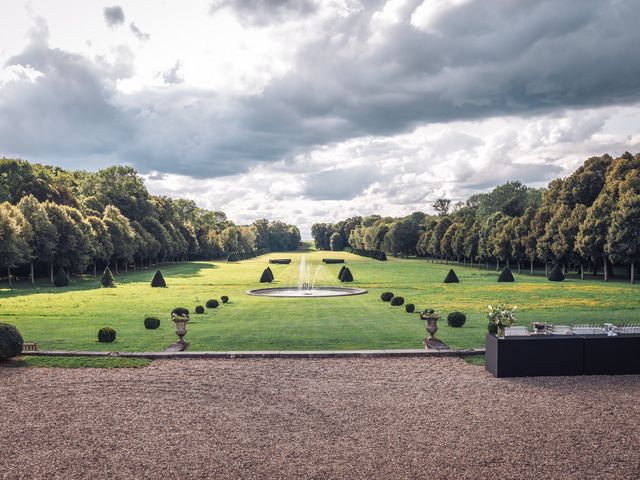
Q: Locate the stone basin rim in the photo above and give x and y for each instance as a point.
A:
(280, 292)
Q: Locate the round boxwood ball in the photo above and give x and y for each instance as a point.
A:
(199, 309)
(397, 301)
(151, 323)
(212, 303)
(410, 308)
(224, 299)
(179, 311)
(11, 342)
(386, 296)
(456, 319)
(106, 335)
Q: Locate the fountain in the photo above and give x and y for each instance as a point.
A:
(307, 286)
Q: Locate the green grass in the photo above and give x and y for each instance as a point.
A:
(69, 318)
(75, 362)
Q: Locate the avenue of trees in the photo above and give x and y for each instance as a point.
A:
(53, 219)
(588, 221)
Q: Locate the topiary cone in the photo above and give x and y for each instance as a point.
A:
(61, 279)
(158, 280)
(556, 274)
(341, 272)
(451, 277)
(107, 279)
(506, 276)
(346, 275)
(266, 277)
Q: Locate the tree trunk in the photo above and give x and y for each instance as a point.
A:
(134, 265)
(95, 272)
(546, 269)
(33, 278)
(531, 265)
(581, 271)
(487, 264)
(116, 267)
(606, 268)
(126, 266)
(9, 274)
(51, 271)
(518, 267)
(497, 265)
(633, 271)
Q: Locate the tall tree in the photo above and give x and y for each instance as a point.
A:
(15, 233)
(44, 234)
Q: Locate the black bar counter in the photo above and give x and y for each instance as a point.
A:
(553, 355)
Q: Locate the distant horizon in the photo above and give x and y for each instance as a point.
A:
(311, 111)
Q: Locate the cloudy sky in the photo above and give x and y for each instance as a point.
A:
(309, 110)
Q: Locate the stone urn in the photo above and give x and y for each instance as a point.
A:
(431, 317)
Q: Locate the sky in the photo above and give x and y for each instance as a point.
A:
(311, 111)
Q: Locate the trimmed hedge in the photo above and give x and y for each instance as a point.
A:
(224, 299)
(375, 254)
(397, 301)
(506, 276)
(61, 279)
(333, 260)
(151, 323)
(212, 304)
(451, 277)
(11, 341)
(456, 319)
(346, 276)
(107, 279)
(386, 296)
(280, 261)
(409, 308)
(158, 280)
(199, 309)
(237, 256)
(179, 311)
(106, 335)
(556, 274)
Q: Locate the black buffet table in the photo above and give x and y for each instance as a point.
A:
(536, 355)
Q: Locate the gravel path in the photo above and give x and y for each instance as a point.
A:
(333, 418)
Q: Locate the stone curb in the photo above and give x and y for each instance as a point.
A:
(265, 354)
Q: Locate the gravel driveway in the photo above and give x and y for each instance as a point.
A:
(323, 418)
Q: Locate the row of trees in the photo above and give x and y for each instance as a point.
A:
(52, 218)
(589, 220)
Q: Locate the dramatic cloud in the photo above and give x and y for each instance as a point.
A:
(335, 105)
(114, 16)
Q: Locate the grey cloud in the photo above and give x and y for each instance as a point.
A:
(264, 12)
(140, 35)
(171, 76)
(114, 16)
(477, 60)
(339, 184)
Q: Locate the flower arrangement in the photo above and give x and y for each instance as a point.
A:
(500, 317)
(429, 313)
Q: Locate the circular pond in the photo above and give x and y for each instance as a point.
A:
(289, 292)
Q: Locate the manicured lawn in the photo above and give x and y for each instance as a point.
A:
(69, 318)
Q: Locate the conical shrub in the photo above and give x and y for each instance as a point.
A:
(341, 272)
(451, 277)
(346, 275)
(158, 280)
(556, 274)
(61, 279)
(506, 276)
(268, 269)
(266, 277)
(107, 279)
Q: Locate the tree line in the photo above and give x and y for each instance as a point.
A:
(51, 218)
(589, 221)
